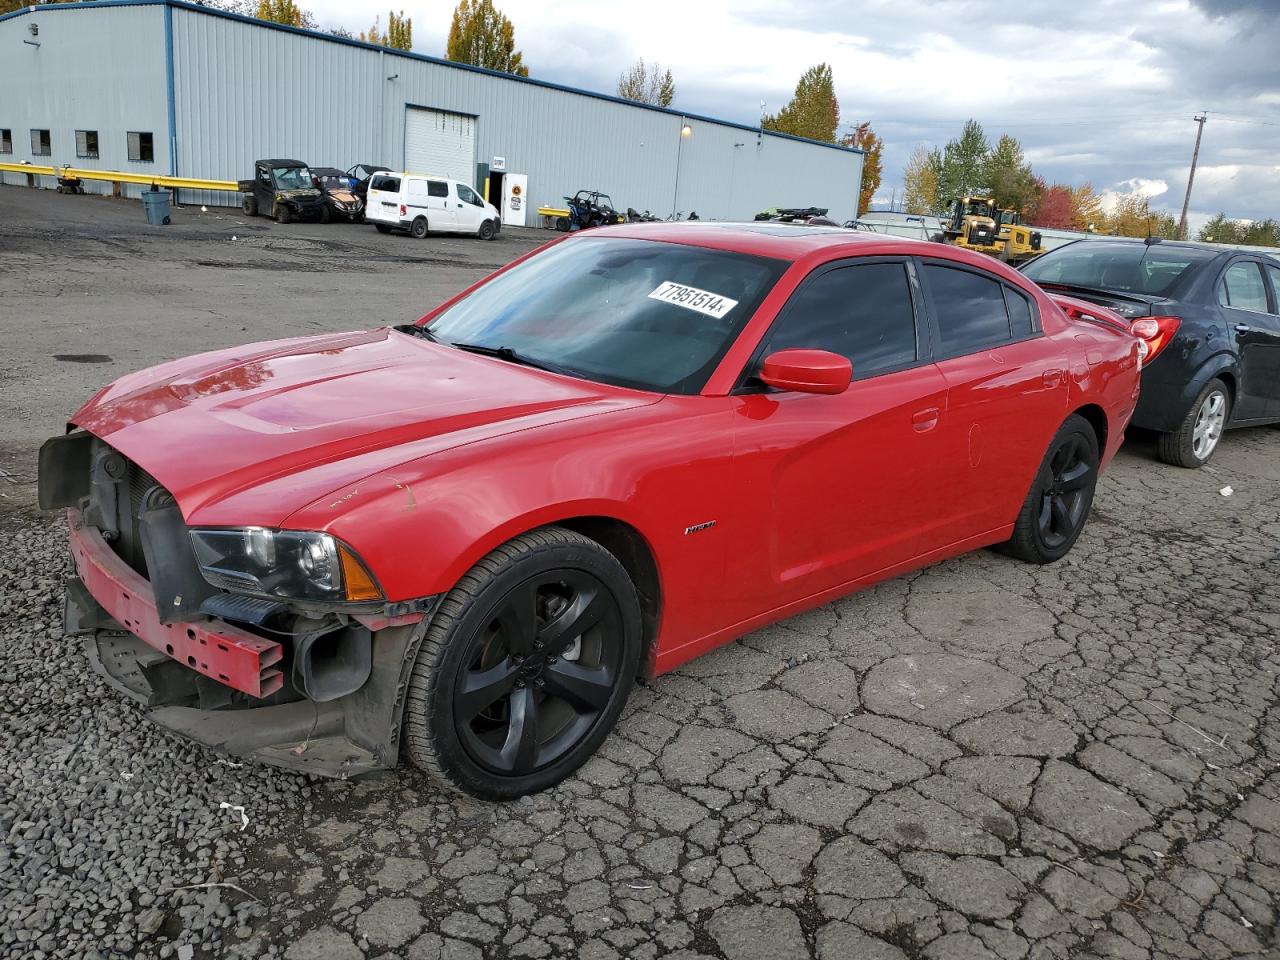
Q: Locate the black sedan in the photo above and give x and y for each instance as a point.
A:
(1211, 320)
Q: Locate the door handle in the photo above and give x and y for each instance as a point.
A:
(1051, 378)
(459, 206)
(925, 419)
(1243, 328)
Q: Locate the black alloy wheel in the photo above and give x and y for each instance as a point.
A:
(1057, 505)
(525, 666)
(539, 672)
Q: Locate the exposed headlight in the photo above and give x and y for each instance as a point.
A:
(289, 564)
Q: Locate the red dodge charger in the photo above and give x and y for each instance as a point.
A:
(464, 538)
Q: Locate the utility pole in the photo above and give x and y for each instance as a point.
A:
(1195, 155)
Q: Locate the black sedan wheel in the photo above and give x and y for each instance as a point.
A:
(1193, 443)
(525, 667)
(1058, 503)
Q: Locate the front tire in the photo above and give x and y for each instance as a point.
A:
(283, 213)
(525, 668)
(1193, 443)
(418, 229)
(487, 230)
(1060, 497)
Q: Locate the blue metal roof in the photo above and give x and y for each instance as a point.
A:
(388, 51)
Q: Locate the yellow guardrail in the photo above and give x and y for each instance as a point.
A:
(121, 176)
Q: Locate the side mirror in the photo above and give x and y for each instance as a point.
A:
(807, 371)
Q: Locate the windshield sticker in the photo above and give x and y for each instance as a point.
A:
(703, 301)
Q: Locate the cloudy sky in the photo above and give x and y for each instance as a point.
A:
(1097, 90)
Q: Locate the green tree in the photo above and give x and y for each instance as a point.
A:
(374, 34)
(964, 164)
(1009, 177)
(1220, 230)
(872, 148)
(813, 111)
(481, 35)
(647, 83)
(920, 181)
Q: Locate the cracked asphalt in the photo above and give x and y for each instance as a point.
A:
(979, 760)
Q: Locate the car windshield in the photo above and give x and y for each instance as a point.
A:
(335, 183)
(1150, 269)
(634, 313)
(291, 178)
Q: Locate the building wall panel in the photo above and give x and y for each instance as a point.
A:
(59, 86)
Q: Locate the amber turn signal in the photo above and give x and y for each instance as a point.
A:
(356, 580)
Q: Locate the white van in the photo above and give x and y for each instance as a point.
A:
(422, 204)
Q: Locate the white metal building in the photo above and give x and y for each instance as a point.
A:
(168, 87)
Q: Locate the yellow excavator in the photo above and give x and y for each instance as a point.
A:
(977, 223)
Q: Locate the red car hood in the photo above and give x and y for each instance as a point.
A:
(251, 434)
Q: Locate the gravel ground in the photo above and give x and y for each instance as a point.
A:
(980, 760)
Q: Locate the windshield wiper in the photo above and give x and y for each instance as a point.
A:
(512, 356)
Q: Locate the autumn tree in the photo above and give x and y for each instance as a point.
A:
(813, 111)
(920, 181)
(872, 147)
(647, 83)
(1053, 208)
(399, 31)
(964, 164)
(374, 34)
(284, 11)
(481, 35)
(1086, 208)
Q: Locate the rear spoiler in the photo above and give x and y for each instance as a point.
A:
(1089, 312)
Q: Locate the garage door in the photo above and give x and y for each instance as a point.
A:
(439, 142)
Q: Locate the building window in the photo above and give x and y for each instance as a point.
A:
(6, 141)
(87, 144)
(141, 148)
(40, 145)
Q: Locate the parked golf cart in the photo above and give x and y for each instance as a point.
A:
(589, 208)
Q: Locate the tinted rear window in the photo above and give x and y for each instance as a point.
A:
(1123, 267)
(970, 310)
(390, 184)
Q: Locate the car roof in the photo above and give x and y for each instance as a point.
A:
(283, 163)
(327, 172)
(1209, 248)
(783, 241)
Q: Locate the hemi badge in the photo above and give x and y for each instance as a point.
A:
(699, 526)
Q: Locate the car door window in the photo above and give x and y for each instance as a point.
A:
(437, 188)
(969, 310)
(1021, 323)
(863, 312)
(1274, 274)
(1242, 287)
(469, 196)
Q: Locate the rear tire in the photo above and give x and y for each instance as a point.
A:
(1058, 503)
(250, 206)
(487, 230)
(325, 214)
(505, 697)
(283, 213)
(1193, 443)
(382, 228)
(418, 229)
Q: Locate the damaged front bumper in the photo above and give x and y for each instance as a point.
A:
(228, 688)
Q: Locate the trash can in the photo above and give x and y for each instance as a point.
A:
(156, 204)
